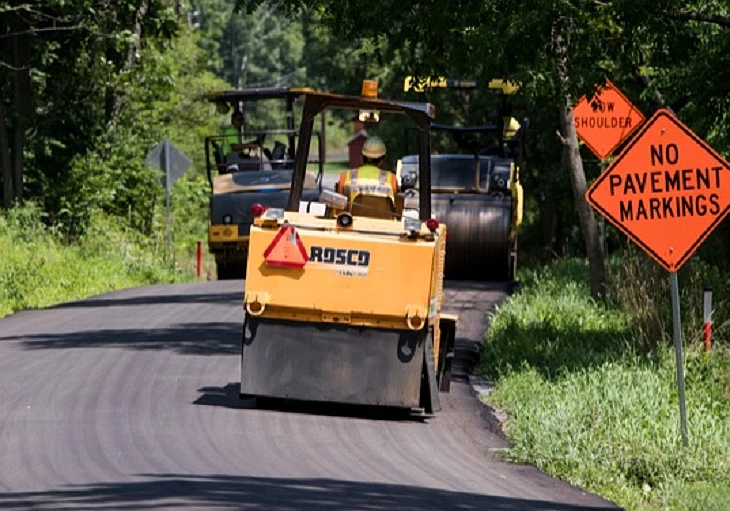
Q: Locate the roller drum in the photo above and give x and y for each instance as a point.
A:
(478, 227)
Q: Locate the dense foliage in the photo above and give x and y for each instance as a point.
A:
(39, 268)
(559, 50)
(589, 401)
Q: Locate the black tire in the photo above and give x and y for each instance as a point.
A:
(512, 262)
(446, 356)
(231, 269)
(222, 270)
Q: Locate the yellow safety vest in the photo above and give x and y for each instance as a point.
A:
(511, 127)
(231, 136)
(368, 180)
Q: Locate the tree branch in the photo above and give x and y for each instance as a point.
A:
(703, 17)
(657, 96)
(563, 140)
(11, 67)
(44, 29)
(28, 9)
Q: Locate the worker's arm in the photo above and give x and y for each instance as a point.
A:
(241, 147)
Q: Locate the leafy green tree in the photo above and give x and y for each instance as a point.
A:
(558, 51)
(262, 49)
(62, 81)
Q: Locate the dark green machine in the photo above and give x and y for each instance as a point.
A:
(256, 176)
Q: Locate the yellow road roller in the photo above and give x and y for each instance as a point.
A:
(343, 297)
(476, 191)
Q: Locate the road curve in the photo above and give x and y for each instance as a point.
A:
(129, 401)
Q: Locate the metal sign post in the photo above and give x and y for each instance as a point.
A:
(707, 325)
(166, 170)
(667, 210)
(676, 321)
(173, 163)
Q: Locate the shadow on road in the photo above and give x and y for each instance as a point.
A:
(228, 397)
(257, 493)
(481, 285)
(227, 298)
(184, 338)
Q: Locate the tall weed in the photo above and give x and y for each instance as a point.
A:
(40, 268)
(586, 402)
(639, 286)
(554, 326)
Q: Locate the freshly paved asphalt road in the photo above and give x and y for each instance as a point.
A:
(129, 401)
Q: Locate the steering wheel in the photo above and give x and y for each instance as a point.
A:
(410, 192)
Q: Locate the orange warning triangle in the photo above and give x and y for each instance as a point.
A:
(286, 250)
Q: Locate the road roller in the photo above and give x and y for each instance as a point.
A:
(259, 170)
(475, 191)
(343, 297)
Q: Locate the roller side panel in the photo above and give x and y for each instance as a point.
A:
(446, 352)
(429, 386)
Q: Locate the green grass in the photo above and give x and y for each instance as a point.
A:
(330, 166)
(39, 268)
(586, 405)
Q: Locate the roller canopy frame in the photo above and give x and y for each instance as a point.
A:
(237, 96)
(422, 114)
(254, 94)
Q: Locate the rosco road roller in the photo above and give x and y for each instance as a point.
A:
(477, 191)
(343, 297)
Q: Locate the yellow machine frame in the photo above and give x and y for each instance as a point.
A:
(356, 315)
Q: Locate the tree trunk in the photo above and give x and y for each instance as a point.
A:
(117, 102)
(573, 161)
(22, 100)
(5, 159)
(589, 227)
(656, 96)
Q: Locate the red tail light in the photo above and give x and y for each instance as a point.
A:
(432, 224)
(257, 210)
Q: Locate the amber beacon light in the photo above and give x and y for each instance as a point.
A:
(369, 88)
(369, 91)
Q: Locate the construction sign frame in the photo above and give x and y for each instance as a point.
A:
(667, 190)
(605, 121)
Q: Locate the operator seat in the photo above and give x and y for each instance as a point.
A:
(373, 207)
(278, 154)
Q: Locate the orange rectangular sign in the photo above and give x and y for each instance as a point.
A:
(667, 190)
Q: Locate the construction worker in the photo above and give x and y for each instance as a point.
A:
(369, 180)
(232, 134)
(510, 125)
(510, 129)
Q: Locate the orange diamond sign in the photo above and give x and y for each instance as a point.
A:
(606, 120)
(667, 190)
